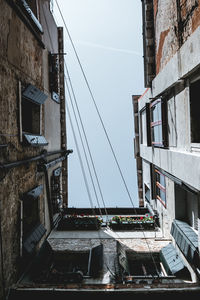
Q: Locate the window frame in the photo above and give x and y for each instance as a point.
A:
(160, 187)
(194, 145)
(33, 95)
(31, 236)
(146, 110)
(54, 77)
(162, 143)
(56, 190)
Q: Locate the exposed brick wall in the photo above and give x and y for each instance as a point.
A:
(174, 22)
(165, 31)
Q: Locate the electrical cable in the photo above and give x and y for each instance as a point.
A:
(84, 174)
(84, 150)
(103, 126)
(86, 140)
(80, 159)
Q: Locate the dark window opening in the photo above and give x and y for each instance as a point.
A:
(143, 264)
(32, 230)
(30, 117)
(187, 207)
(71, 262)
(194, 111)
(70, 266)
(30, 215)
(158, 123)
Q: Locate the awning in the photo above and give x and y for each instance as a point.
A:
(171, 261)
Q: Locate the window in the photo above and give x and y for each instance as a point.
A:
(145, 126)
(28, 7)
(54, 76)
(142, 264)
(158, 123)
(70, 265)
(32, 230)
(194, 111)
(187, 206)
(30, 115)
(160, 187)
(148, 42)
(147, 193)
(56, 191)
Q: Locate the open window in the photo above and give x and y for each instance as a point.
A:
(30, 115)
(69, 266)
(159, 123)
(146, 265)
(187, 206)
(32, 229)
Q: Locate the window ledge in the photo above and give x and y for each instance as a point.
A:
(195, 147)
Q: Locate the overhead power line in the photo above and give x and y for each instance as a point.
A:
(96, 107)
(104, 129)
(86, 141)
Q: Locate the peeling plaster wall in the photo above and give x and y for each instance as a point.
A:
(165, 35)
(174, 22)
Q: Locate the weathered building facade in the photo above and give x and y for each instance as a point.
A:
(169, 124)
(33, 153)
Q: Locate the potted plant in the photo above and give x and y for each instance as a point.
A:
(80, 222)
(132, 222)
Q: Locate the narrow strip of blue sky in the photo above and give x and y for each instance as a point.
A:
(108, 38)
(104, 47)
